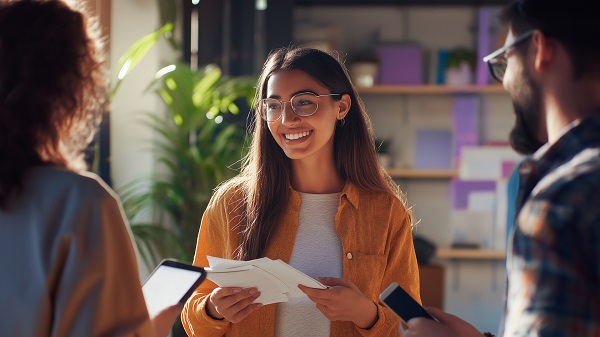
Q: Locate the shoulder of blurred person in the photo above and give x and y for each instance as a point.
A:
(76, 271)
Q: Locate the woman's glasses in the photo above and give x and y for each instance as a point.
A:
(303, 104)
(496, 61)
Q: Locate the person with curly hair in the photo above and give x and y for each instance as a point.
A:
(68, 262)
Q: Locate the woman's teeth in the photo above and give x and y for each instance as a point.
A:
(294, 136)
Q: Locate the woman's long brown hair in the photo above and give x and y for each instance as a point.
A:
(266, 171)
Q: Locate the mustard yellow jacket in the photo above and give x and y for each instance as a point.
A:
(376, 236)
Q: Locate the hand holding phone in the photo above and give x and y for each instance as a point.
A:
(171, 283)
(402, 304)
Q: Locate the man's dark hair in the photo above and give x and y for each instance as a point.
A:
(574, 23)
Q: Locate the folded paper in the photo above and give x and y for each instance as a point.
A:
(276, 280)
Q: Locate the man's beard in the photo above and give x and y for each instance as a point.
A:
(528, 110)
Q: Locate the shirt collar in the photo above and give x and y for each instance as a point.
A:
(577, 136)
(350, 191)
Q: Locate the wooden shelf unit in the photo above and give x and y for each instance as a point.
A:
(412, 173)
(431, 89)
(399, 2)
(470, 254)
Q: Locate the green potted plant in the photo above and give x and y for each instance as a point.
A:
(364, 66)
(198, 147)
(383, 152)
(460, 66)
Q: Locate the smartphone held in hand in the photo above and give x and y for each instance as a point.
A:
(402, 304)
(171, 283)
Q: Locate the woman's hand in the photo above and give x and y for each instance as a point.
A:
(448, 326)
(233, 304)
(343, 301)
(163, 321)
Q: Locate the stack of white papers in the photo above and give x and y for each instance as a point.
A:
(276, 280)
(486, 162)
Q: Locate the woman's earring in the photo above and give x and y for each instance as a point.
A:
(342, 122)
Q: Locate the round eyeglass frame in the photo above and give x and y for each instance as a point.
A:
(262, 105)
(497, 62)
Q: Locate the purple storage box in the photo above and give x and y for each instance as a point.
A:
(466, 123)
(400, 64)
(433, 149)
(460, 189)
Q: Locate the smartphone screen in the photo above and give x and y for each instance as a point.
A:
(402, 303)
(171, 283)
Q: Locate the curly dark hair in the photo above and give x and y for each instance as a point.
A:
(53, 88)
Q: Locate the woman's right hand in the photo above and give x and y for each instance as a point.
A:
(233, 304)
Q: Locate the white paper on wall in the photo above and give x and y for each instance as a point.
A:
(485, 162)
(482, 201)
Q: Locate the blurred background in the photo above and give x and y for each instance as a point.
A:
(183, 75)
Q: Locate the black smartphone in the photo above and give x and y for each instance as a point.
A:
(402, 304)
(170, 283)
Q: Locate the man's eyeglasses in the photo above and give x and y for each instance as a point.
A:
(496, 61)
(303, 104)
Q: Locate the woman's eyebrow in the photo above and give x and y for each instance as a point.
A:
(295, 93)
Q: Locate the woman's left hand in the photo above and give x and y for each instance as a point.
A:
(343, 301)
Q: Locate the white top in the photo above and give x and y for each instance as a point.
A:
(68, 263)
(317, 252)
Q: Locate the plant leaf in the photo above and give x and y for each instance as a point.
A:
(194, 155)
(136, 53)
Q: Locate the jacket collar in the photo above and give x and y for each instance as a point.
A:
(350, 192)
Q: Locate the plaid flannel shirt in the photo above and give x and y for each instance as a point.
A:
(553, 266)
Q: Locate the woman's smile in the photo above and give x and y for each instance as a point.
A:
(296, 136)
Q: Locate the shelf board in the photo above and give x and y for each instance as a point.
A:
(432, 89)
(400, 2)
(470, 254)
(420, 173)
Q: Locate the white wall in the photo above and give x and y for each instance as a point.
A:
(130, 140)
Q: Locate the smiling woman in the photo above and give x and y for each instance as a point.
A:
(305, 131)
(313, 194)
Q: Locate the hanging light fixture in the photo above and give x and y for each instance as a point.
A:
(259, 34)
(261, 5)
(194, 27)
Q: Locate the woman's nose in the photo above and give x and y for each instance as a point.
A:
(288, 116)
